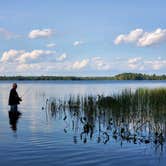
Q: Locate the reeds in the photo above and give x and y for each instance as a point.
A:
(132, 116)
(141, 99)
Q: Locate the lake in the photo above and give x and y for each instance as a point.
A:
(45, 137)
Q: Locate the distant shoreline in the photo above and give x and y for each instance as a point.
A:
(123, 76)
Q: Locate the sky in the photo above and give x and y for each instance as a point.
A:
(82, 37)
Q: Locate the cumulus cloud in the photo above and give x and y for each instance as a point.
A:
(77, 43)
(138, 63)
(62, 57)
(134, 60)
(41, 33)
(156, 64)
(52, 67)
(51, 45)
(44, 68)
(134, 63)
(22, 56)
(11, 55)
(39, 62)
(80, 64)
(142, 38)
(34, 55)
(25, 67)
(150, 38)
(133, 36)
(99, 64)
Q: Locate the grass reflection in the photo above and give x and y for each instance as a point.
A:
(137, 117)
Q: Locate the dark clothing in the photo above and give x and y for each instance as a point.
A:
(14, 99)
(14, 107)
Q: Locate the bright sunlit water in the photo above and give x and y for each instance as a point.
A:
(45, 139)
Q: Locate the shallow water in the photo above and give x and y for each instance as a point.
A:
(48, 138)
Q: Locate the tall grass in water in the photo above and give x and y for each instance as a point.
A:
(136, 116)
(142, 99)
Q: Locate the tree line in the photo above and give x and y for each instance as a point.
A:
(122, 76)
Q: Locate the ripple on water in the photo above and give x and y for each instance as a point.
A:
(41, 142)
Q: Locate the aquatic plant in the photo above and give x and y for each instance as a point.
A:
(141, 99)
(130, 116)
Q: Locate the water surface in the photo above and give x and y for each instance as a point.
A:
(46, 138)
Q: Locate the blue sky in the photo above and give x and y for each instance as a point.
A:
(82, 37)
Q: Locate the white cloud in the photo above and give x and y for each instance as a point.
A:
(39, 62)
(62, 57)
(139, 63)
(141, 38)
(150, 38)
(99, 64)
(156, 64)
(77, 43)
(25, 67)
(132, 66)
(51, 67)
(80, 64)
(51, 45)
(41, 33)
(134, 60)
(133, 36)
(11, 55)
(35, 55)
(135, 63)
(22, 56)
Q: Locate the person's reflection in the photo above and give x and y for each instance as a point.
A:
(13, 119)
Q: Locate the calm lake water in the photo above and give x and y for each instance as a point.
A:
(42, 137)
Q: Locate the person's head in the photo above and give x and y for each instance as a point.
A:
(14, 86)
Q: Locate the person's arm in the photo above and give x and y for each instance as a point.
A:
(18, 98)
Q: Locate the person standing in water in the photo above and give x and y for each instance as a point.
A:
(14, 99)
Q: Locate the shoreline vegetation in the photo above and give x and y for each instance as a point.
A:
(142, 99)
(128, 117)
(123, 76)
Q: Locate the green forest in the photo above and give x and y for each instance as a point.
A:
(123, 76)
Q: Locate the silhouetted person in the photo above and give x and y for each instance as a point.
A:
(14, 99)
